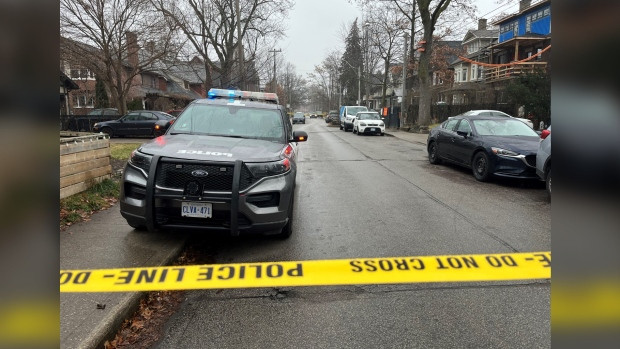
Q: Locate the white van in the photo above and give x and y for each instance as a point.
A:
(347, 116)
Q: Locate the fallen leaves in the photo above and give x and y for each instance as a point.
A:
(144, 328)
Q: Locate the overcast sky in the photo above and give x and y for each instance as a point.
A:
(315, 26)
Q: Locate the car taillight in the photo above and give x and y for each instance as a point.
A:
(288, 151)
(544, 134)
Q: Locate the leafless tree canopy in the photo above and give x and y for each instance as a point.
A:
(94, 35)
(211, 28)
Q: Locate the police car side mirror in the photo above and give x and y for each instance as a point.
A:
(299, 136)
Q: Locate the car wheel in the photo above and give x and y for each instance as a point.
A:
(480, 166)
(108, 131)
(548, 183)
(341, 127)
(359, 133)
(382, 133)
(288, 228)
(432, 154)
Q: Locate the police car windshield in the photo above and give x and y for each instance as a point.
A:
(230, 121)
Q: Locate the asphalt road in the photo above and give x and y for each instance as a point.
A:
(376, 196)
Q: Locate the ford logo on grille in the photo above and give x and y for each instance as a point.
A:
(200, 173)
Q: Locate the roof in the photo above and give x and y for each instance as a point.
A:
(481, 34)
(67, 82)
(532, 7)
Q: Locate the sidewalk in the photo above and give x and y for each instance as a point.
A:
(106, 241)
(419, 138)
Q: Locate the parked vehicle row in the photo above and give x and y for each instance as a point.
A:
(492, 145)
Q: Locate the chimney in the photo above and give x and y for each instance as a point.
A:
(523, 4)
(132, 48)
(482, 24)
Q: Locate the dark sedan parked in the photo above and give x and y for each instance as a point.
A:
(488, 145)
(137, 123)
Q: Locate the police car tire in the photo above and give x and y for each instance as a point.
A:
(288, 228)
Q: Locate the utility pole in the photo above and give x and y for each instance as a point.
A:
(402, 102)
(359, 85)
(275, 84)
(366, 72)
(240, 47)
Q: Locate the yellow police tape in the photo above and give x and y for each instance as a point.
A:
(389, 270)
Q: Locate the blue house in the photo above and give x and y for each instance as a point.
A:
(522, 35)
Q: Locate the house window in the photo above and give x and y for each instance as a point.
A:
(153, 82)
(82, 74)
(516, 28)
(83, 101)
(464, 75)
(474, 68)
(186, 84)
(538, 51)
(528, 24)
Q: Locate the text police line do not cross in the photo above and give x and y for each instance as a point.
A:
(393, 270)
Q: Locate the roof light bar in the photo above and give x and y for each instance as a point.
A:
(243, 95)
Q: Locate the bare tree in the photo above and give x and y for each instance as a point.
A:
(384, 35)
(293, 86)
(215, 31)
(102, 36)
(325, 78)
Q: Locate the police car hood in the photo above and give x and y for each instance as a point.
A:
(213, 148)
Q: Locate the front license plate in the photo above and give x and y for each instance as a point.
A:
(196, 209)
(372, 130)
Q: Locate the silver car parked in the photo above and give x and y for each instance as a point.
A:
(543, 159)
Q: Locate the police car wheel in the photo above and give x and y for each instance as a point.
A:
(288, 228)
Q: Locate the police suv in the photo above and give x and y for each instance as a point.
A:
(228, 163)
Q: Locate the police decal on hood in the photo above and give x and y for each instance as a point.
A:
(200, 152)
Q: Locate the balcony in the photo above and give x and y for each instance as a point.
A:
(511, 71)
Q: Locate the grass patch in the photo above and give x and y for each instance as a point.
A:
(80, 207)
(122, 151)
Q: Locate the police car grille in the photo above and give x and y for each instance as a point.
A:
(178, 176)
(219, 177)
(246, 179)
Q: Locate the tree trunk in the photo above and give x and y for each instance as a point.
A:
(424, 109)
(384, 85)
(208, 79)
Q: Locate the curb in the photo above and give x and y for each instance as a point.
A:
(406, 140)
(126, 307)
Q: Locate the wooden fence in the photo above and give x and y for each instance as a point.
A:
(84, 161)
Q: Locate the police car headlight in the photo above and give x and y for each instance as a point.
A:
(266, 169)
(362, 124)
(96, 124)
(381, 124)
(140, 160)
